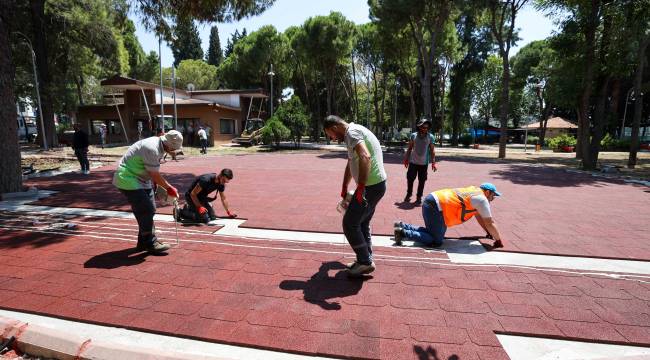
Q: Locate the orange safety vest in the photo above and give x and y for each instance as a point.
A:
(456, 205)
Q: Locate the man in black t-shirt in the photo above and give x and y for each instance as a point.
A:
(197, 205)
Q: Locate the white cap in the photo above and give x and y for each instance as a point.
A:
(173, 139)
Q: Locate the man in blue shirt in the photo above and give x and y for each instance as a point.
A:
(420, 152)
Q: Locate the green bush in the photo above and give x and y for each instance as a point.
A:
(562, 140)
(274, 131)
(609, 143)
(532, 140)
(466, 140)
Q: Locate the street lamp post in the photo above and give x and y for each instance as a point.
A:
(173, 81)
(162, 108)
(627, 99)
(38, 93)
(271, 74)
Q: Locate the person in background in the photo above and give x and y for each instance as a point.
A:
(420, 153)
(80, 147)
(203, 139)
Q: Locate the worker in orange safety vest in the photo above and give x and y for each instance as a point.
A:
(449, 207)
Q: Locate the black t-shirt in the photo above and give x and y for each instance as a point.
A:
(208, 183)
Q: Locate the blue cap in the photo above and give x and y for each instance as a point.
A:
(490, 187)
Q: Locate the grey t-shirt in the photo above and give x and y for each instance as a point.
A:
(482, 205)
(355, 135)
(420, 152)
(141, 157)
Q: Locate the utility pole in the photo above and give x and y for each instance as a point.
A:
(38, 93)
(162, 109)
(271, 74)
(173, 81)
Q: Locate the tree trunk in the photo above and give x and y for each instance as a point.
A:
(583, 106)
(79, 81)
(44, 79)
(356, 93)
(456, 96)
(638, 103)
(543, 123)
(11, 175)
(505, 104)
(412, 107)
(599, 125)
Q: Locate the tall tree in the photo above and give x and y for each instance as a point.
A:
(640, 16)
(476, 42)
(328, 41)
(186, 43)
(426, 23)
(215, 54)
(197, 72)
(10, 176)
(137, 57)
(502, 17)
(234, 38)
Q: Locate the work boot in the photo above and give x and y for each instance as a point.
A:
(399, 236)
(407, 198)
(398, 224)
(358, 269)
(157, 247)
(418, 201)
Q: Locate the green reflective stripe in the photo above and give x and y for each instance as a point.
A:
(374, 174)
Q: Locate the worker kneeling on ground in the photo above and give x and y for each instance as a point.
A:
(448, 207)
(135, 172)
(197, 207)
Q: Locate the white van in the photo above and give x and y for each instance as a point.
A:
(27, 128)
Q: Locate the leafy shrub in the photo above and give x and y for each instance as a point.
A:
(609, 143)
(274, 131)
(562, 140)
(466, 140)
(532, 140)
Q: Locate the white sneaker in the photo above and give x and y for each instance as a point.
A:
(358, 270)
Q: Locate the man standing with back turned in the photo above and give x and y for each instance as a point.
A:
(366, 166)
(135, 171)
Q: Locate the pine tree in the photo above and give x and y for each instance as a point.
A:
(187, 44)
(236, 36)
(215, 54)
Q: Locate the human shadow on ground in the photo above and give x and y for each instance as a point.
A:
(405, 205)
(522, 174)
(430, 353)
(321, 287)
(116, 259)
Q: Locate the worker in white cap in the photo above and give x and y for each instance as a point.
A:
(450, 207)
(135, 173)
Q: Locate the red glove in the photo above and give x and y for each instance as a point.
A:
(202, 210)
(171, 191)
(359, 193)
(433, 167)
(406, 163)
(231, 215)
(344, 193)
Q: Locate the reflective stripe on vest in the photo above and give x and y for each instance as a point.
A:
(456, 205)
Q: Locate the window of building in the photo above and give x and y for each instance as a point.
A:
(226, 126)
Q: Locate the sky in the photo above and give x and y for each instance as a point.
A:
(285, 13)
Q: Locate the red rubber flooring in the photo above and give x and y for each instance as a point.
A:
(293, 297)
(543, 210)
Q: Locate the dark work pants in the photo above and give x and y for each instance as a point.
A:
(192, 213)
(204, 146)
(143, 206)
(356, 222)
(82, 156)
(421, 172)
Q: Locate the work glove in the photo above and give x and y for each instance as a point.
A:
(202, 210)
(172, 192)
(231, 215)
(359, 193)
(433, 167)
(497, 244)
(406, 163)
(344, 193)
